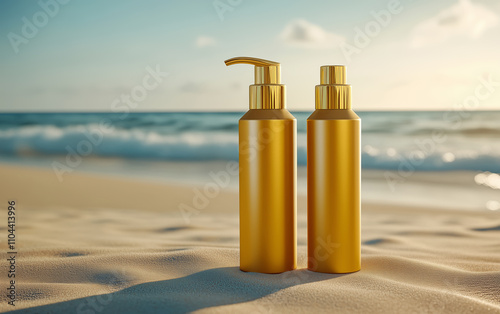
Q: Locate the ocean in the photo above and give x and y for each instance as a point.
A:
(422, 141)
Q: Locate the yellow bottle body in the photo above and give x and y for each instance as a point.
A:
(267, 160)
(333, 191)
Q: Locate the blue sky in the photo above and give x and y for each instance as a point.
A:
(85, 55)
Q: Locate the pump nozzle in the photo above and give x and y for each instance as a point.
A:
(333, 92)
(267, 92)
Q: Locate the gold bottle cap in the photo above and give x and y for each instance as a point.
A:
(333, 92)
(267, 92)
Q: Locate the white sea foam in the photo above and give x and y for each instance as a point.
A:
(390, 140)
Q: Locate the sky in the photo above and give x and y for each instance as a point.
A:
(151, 55)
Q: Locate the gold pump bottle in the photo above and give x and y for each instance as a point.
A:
(333, 177)
(267, 165)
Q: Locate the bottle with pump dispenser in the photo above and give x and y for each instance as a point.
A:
(333, 177)
(267, 165)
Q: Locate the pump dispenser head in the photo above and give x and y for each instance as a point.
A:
(267, 92)
(333, 92)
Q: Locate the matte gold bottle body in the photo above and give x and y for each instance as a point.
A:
(333, 191)
(267, 159)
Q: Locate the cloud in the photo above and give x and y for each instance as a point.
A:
(301, 33)
(204, 41)
(463, 19)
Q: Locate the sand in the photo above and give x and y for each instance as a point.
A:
(100, 244)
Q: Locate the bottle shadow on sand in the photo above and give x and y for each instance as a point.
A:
(205, 289)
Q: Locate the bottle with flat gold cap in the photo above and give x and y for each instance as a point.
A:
(267, 165)
(333, 177)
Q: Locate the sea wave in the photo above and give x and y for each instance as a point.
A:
(193, 145)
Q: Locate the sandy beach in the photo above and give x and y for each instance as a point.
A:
(126, 126)
(102, 244)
